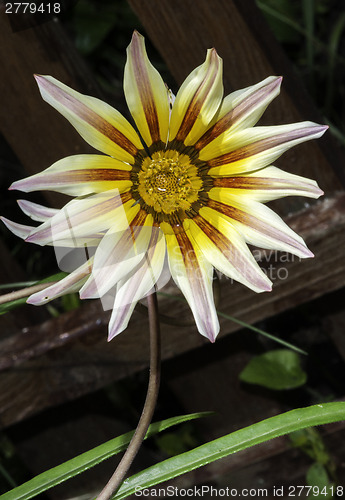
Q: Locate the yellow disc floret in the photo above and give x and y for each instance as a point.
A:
(168, 182)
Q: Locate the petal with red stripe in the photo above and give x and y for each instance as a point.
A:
(79, 175)
(197, 101)
(142, 282)
(146, 94)
(117, 254)
(254, 148)
(102, 126)
(193, 274)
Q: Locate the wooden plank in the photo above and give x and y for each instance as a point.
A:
(36, 132)
(41, 351)
(11, 271)
(182, 31)
(69, 356)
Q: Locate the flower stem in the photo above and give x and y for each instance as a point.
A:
(149, 407)
(24, 292)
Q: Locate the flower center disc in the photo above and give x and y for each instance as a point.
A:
(168, 182)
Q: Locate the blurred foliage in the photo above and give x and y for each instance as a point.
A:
(322, 473)
(312, 32)
(317, 477)
(174, 443)
(101, 31)
(279, 369)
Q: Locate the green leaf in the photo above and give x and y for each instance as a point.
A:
(4, 308)
(232, 443)
(317, 476)
(322, 487)
(261, 332)
(281, 15)
(243, 323)
(279, 369)
(93, 22)
(8, 306)
(85, 461)
(311, 443)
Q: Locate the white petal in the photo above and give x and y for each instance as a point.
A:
(193, 274)
(142, 282)
(116, 256)
(84, 217)
(19, 230)
(37, 212)
(70, 284)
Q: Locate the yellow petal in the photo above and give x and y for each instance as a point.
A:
(99, 124)
(225, 249)
(258, 224)
(79, 175)
(197, 101)
(268, 184)
(146, 93)
(255, 148)
(193, 274)
(81, 218)
(241, 109)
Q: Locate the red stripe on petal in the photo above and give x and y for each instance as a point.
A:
(263, 145)
(87, 115)
(198, 99)
(236, 113)
(145, 90)
(257, 224)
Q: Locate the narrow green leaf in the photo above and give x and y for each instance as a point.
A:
(85, 461)
(335, 39)
(279, 369)
(309, 19)
(232, 443)
(262, 332)
(4, 308)
(17, 284)
(291, 22)
(244, 324)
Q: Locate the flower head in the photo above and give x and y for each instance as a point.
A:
(188, 187)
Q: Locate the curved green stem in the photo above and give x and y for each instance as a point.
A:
(150, 403)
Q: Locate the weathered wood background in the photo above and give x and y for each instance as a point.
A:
(45, 362)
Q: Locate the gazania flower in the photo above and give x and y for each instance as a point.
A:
(188, 186)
